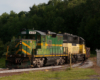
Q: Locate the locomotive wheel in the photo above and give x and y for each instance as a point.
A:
(57, 62)
(38, 65)
(34, 63)
(84, 58)
(61, 62)
(76, 59)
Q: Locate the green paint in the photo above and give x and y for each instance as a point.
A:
(47, 50)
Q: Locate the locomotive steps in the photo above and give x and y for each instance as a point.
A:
(86, 64)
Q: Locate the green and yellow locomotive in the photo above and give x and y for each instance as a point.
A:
(34, 48)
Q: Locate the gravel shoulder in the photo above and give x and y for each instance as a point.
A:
(95, 66)
(5, 72)
(90, 63)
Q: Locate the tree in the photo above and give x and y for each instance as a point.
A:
(1, 47)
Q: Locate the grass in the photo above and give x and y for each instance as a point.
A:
(2, 62)
(93, 54)
(67, 74)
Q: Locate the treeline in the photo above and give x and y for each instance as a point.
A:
(78, 17)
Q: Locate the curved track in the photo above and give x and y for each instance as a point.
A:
(86, 64)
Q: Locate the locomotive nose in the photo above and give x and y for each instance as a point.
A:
(18, 46)
(25, 47)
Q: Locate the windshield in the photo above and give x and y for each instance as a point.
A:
(28, 37)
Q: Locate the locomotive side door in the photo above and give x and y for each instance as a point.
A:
(43, 41)
(33, 46)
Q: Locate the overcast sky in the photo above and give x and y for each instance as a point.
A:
(18, 5)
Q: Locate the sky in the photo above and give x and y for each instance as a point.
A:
(18, 5)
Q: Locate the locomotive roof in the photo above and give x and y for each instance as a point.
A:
(67, 34)
(60, 34)
(40, 32)
(30, 31)
(44, 33)
(81, 38)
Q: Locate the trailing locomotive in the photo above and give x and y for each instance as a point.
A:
(34, 48)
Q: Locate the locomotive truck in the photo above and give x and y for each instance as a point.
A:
(34, 48)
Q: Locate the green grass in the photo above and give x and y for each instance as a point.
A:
(2, 62)
(67, 74)
(92, 53)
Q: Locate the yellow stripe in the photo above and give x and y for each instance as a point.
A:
(58, 45)
(29, 40)
(7, 50)
(20, 46)
(49, 55)
(25, 52)
(17, 44)
(53, 45)
(46, 44)
(26, 45)
(18, 51)
(39, 44)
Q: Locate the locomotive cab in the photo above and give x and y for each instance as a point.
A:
(21, 49)
(25, 44)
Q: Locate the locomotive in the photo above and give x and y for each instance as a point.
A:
(34, 48)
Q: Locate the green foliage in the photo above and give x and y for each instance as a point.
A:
(2, 62)
(79, 17)
(1, 48)
(93, 54)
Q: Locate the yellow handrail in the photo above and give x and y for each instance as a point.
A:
(7, 51)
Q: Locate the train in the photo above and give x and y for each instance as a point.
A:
(35, 48)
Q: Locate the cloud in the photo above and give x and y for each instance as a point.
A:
(18, 5)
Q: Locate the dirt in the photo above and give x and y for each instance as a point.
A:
(17, 73)
(95, 66)
(9, 74)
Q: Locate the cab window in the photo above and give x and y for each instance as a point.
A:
(28, 37)
(38, 38)
(43, 38)
(32, 37)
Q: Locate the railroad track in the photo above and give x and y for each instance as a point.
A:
(85, 64)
